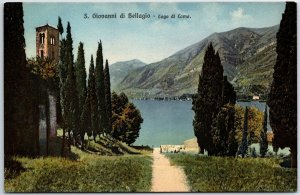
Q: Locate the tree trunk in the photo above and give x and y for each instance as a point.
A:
(293, 158)
(82, 141)
(63, 143)
(70, 139)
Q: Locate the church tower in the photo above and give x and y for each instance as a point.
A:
(47, 42)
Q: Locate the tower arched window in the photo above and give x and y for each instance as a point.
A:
(52, 40)
(42, 38)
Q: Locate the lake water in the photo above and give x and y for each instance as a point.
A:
(170, 122)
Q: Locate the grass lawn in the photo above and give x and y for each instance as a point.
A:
(90, 173)
(217, 174)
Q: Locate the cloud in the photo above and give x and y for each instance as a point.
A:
(239, 15)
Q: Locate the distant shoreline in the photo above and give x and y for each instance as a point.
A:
(189, 99)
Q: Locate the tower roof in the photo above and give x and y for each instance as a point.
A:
(46, 25)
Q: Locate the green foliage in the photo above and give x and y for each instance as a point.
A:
(45, 68)
(228, 93)
(81, 75)
(283, 95)
(263, 135)
(126, 119)
(255, 120)
(91, 174)
(100, 91)
(82, 90)
(60, 26)
(108, 97)
(20, 88)
(62, 62)
(208, 99)
(223, 132)
(244, 145)
(219, 174)
(91, 102)
(213, 105)
(62, 71)
(223, 126)
(69, 100)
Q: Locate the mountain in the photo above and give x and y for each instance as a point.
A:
(247, 55)
(119, 70)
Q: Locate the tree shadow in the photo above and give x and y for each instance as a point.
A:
(286, 162)
(55, 149)
(12, 167)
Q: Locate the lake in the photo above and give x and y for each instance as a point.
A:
(170, 122)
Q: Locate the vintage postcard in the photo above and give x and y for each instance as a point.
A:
(150, 96)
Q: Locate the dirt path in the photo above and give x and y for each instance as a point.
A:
(167, 178)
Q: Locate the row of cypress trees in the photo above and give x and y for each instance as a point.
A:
(85, 106)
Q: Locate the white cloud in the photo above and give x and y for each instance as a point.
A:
(239, 15)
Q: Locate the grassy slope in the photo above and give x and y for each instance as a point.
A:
(104, 146)
(90, 173)
(216, 174)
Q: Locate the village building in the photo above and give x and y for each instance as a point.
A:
(255, 97)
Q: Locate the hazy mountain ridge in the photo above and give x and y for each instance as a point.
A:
(119, 70)
(247, 55)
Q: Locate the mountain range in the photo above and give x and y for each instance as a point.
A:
(247, 55)
(119, 70)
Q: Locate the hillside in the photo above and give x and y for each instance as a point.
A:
(119, 70)
(247, 55)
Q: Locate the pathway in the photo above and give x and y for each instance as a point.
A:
(167, 178)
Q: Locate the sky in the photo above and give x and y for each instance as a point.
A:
(151, 39)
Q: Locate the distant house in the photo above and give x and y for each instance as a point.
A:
(270, 136)
(255, 97)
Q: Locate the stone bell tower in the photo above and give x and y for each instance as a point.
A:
(47, 42)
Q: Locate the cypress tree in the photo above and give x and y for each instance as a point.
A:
(229, 97)
(81, 88)
(207, 102)
(20, 101)
(232, 141)
(86, 118)
(223, 127)
(71, 102)
(92, 100)
(108, 97)
(263, 135)
(58, 82)
(81, 75)
(244, 145)
(62, 62)
(100, 91)
(62, 71)
(60, 26)
(283, 95)
(228, 93)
